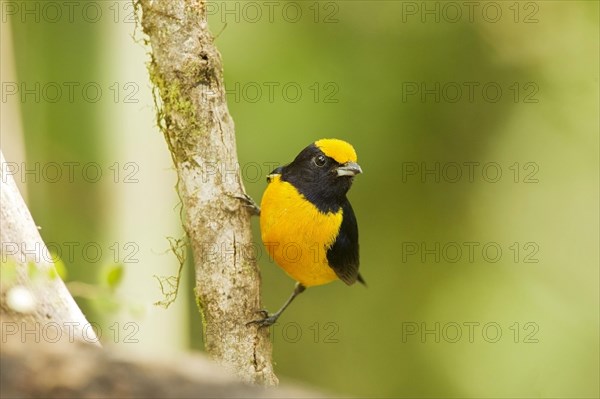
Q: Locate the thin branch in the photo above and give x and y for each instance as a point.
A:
(34, 295)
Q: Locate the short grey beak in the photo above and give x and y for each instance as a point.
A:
(349, 169)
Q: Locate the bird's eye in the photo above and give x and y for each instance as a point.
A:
(319, 160)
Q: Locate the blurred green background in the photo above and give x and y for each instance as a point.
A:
(477, 129)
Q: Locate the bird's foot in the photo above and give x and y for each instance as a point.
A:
(266, 320)
(249, 203)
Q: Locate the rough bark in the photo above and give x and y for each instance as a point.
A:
(47, 306)
(187, 73)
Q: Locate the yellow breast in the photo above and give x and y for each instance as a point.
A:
(296, 234)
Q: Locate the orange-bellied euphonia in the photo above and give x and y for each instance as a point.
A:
(307, 224)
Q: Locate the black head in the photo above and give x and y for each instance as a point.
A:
(323, 172)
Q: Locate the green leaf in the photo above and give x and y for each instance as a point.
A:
(112, 275)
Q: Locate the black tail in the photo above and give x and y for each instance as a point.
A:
(361, 280)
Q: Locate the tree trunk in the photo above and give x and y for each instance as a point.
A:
(187, 73)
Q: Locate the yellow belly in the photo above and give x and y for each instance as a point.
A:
(296, 234)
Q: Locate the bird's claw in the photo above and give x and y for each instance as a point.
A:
(248, 203)
(266, 320)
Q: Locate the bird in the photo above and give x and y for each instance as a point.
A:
(306, 221)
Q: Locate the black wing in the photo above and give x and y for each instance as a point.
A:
(343, 254)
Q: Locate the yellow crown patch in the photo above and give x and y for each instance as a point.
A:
(339, 150)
